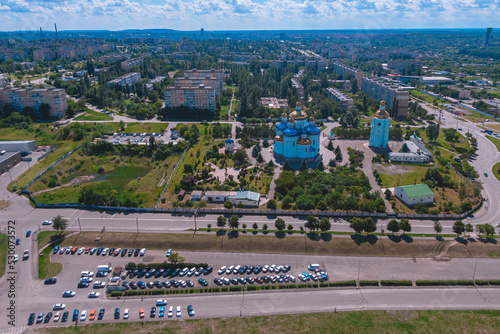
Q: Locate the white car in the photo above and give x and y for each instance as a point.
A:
(57, 316)
(265, 269)
(236, 269)
(170, 311)
(94, 294)
(16, 258)
(62, 250)
(59, 307)
(229, 270)
(68, 250)
(105, 251)
(161, 302)
(222, 270)
(83, 315)
(47, 222)
(26, 254)
(68, 293)
(125, 313)
(143, 251)
(81, 250)
(178, 313)
(87, 274)
(99, 284)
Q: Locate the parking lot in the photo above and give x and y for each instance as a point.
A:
(140, 138)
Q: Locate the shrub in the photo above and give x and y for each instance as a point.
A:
(116, 294)
(235, 288)
(368, 283)
(395, 283)
(343, 283)
(444, 282)
(251, 288)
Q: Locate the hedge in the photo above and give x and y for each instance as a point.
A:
(343, 283)
(164, 265)
(396, 283)
(235, 288)
(368, 283)
(482, 282)
(444, 282)
(494, 282)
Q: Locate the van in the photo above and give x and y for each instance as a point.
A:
(115, 134)
(104, 267)
(313, 266)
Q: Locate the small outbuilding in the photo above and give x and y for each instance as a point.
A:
(246, 198)
(414, 194)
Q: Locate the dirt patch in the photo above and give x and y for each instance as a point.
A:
(81, 179)
(394, 168)
(4, 204)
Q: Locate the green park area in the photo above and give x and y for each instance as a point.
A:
(496, 170)
(136, 127)
(3, 252)
(331, 322)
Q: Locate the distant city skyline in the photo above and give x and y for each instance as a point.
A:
(247, 14)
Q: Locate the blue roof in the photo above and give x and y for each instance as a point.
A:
(229, 141)
(291, 132)
(282, 126)
(313, 129)
(312, 149)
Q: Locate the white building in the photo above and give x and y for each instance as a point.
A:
(247, 198)
(414, 194)
(23, 146)
(345, 101)
(417, 153)
(196, 195)
(229, 145)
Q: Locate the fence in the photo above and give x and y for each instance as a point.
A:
(50, 167)
(170, 177)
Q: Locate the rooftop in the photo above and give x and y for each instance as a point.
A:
(417, 190)
(249, 195)
(7, 155)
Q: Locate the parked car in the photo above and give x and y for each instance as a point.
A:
(68, 294)
(170, 312)
(141, 313)
(31, 319)
(169, 252)
(99, 284)
(178, 313)
(101, 314)
(94, 294)
(203, 282)
(222, 270)
(47, 222)
(117, 313)
(190, 310)
(161, 302)
(56, 249)
(87, 274)
(57, 316)
(49, 281)
(208, 271)
(142, 252)
(62, 250)
(152, 314)
(83, 315)
(161, 312)
(64, 317)
(125, 313)
(59, 307)
(75, 314)
(47, 317)
(39, 319)
(26, 255)
(83, 285)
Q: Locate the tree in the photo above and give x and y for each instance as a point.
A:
(458, 227)
(469, 228)
(338, 156)
(489, 229)
(244, 226)
(228, 205)
(234, 222)
(303, 167)
(265, 227)
(321, 167)
(393, 226)
(438, 227)
(280, 224)
(286, 166)
(330, 145)
(265, 143)
(255, 152)
(255, 226)
(432, 131)
(271, 163)
(311, 223)
(370, 225)
(175, 258)
(59, 223)
(332, 163)
(260, 159)
(480, 229)
(388, 194)
(271, 204)
(405, 225)
(290, 228)
(325, 225)
(44, 111)
(122, 125)
(357, 224)
(221, 222)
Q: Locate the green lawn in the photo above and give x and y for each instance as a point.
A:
(496, 170)
(3, 252)
(146, 127)
(459, 147)
(46, 268)
(495, 141)
(339, 322)
(414, 173)
(91, 115)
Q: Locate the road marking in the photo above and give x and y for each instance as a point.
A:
(13, 330)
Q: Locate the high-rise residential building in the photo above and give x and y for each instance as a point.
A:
(487, 39)
(209, 81)
(344, 70)
(127, 79)
(127, 64)
(31, 97)
(394, 95)
(200, 97)
(344, 100)
(197, 74)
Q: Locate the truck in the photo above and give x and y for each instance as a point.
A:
(104, 267)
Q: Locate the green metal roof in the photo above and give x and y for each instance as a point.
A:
(417, 190)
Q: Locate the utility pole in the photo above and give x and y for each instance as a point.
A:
(137, 223)
(79, 224)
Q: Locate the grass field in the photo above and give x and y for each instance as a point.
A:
(46, 268)
(493, 127)
(340, 322)
(408, 176)
(495, 170)
(461, 146)
(91, 115)
(3, 253)
(426, 97)
(360, 246)
(146, 127)
(40, 166)
(495, 141)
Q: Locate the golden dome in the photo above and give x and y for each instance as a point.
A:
(311, 119)
(304, 141)
(284, 114)
(298, 114)
(381, 113)
(278, 138)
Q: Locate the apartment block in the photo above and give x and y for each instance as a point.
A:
(127, 79)
(296, 84)
(392, 94)
(30, 97)
(127, 64)
(274, 103)
(198, 74)
(114, 57)
(341, 98)
(342, 69)
(201, 97)
(209, 81)
(403, 65)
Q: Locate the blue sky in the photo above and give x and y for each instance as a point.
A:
(247, 14)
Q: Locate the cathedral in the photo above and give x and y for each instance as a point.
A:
(379, 133)
(297, 139)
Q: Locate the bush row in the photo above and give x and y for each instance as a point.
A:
(368, 283)
(396, 283)
(444, 282)
(164, 265)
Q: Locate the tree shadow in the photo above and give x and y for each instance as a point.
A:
(439, 238)
(56, 239)
(280, 235)
(221, 233)
(360, 239)
(469, 239)
(313, 236)
(394, 238)
(233, 235)
(406, 238)
(254, 232)
(488, 240)
(326, 237)
(461, 240)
